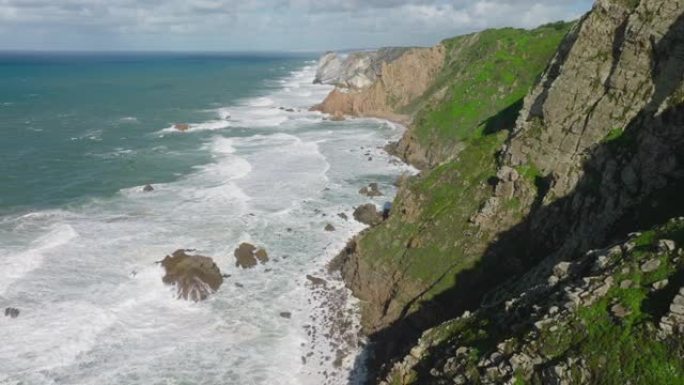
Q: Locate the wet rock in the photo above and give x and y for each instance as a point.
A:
(371, 190)
(247, 255)
(12, 312)
(286, 314)
(368, 214)
(195, 276)
(329, 227)
(148, 188)
(337, 117)
(316, 281)
(181, 127)
(343, 216)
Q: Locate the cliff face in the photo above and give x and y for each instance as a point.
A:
(596, 152)
(380, 84)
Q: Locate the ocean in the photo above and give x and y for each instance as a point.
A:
(82, 134)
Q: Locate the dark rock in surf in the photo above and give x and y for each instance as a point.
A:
(247, 256)
(182, 127)
(316, 281)
(371, 190)
(368, 214)
(12, 312)
(195, 276)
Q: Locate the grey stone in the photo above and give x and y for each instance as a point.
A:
(650, 265)
(660, 284)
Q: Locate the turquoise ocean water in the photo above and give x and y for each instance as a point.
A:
(81, 134)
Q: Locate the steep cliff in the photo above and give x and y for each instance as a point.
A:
(596, 152)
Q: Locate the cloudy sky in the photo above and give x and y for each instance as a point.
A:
(260, 25)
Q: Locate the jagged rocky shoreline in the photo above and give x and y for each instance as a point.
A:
(536, 148)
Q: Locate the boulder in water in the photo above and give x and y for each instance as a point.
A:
(247, 255)
(181, 127)
(368, 214)
(148, 188)
(371, 190)
(194, 276)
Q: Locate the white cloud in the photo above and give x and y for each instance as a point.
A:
(263, 24)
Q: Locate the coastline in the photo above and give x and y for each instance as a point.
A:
(339, 322)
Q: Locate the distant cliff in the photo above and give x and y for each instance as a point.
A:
(380, 83)
(537, 146)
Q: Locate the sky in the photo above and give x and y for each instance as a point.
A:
(261, 25)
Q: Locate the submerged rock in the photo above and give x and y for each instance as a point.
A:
(317, 281)
(329, 227)
(248, 255)
(148, 188)
(194, 276)
(181, 127)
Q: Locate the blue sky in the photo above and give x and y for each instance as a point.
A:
(260, 25)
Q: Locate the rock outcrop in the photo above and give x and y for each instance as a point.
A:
(329, 69)
(368, 214)
(182, 127)
(380, 83)
(195, 276)
(372, 190)
(578, 325)
(356, 70)
(247, 256)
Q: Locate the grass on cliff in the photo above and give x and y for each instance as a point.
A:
(625, 351)
(485, 77)
(433, 244)
(615, 352)
(484, 74)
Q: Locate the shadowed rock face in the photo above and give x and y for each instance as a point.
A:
(194, 276)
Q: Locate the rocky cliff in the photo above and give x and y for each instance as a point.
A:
(521, 179)
(379, 84)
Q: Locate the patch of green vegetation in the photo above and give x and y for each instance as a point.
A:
(613, 135)
(519, 379)
(485, 74)
(449, 195)
(619, 139)
(529, 171)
